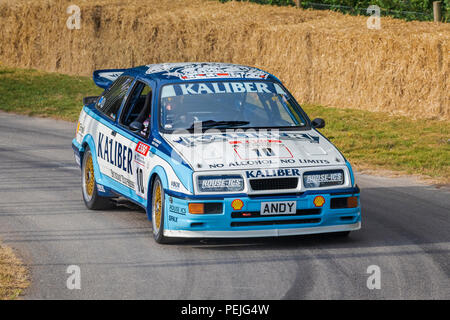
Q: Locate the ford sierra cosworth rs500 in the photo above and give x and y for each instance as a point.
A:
(212, 150)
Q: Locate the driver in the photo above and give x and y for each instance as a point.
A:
(174, 109)
(146, 125)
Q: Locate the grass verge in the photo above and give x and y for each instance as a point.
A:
(375, 140)
(37, 93)
(13, 275)
(370, 140)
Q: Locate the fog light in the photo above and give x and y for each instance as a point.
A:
(196, 208)
(319, 201)
(352, 202)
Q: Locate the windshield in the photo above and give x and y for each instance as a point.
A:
(258, 104)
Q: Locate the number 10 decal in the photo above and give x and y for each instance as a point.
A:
(140, 181)
(266, 151)
(272, 151)
(139, 159)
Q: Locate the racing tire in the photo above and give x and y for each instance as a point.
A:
(157, 209)
(89, 187)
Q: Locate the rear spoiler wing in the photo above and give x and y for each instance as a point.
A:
(104, 78)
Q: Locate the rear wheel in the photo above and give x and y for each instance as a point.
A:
(89, 188)
(158, 211)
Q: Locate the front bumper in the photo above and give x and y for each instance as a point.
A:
(261, 233)
(308, 220)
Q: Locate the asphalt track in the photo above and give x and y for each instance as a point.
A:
(406, 232)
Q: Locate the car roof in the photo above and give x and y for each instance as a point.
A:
(188, 71)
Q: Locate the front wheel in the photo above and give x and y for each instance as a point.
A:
(89, 188)
(158, 211)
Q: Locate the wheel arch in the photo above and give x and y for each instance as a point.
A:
(159, 172)
(88, 142)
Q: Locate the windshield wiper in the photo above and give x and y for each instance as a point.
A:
(217, 124)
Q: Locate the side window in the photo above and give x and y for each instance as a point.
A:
(138, 108)
(111, 101)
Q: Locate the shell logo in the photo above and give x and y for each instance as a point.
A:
(237, 204)
(319, 201)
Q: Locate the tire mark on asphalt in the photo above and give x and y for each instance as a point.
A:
(305, 278)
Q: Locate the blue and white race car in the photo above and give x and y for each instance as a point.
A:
(212, 150)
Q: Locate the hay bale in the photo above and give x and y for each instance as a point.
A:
(324, 57)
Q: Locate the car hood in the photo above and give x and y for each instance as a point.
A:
(254, 150)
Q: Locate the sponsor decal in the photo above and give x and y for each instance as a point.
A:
(139, 159)
(208, 138)
(80, 129)
(259, 141)
(268, 173)
(216, 165)
(319, 201)
(175, 185)
(177, 209)
(115, 153)
(244, 163)
(142, 148)
(237, 204)
(172, 218)
(218, 87)
(190, 71)
(122, 179)
(112, 76)
(251, 162)
(156, 142)
(314, 161)
(314, 179)
(100, 188)
(247, 163)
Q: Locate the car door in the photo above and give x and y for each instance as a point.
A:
(136, 111)
(114, 155)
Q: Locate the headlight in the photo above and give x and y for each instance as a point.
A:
(220, 183)
(317, 179)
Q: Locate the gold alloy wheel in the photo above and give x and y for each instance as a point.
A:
(157, 206)
(89, 176)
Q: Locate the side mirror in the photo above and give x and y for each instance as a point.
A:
(136, 126)
(318, 123)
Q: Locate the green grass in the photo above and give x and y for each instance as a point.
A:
(380, 141)
(368, 139)
(37, 93)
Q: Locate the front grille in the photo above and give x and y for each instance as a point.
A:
(257, 214)
(273, 184)
(273, 222)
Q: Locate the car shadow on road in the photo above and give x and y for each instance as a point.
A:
(399, 216)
